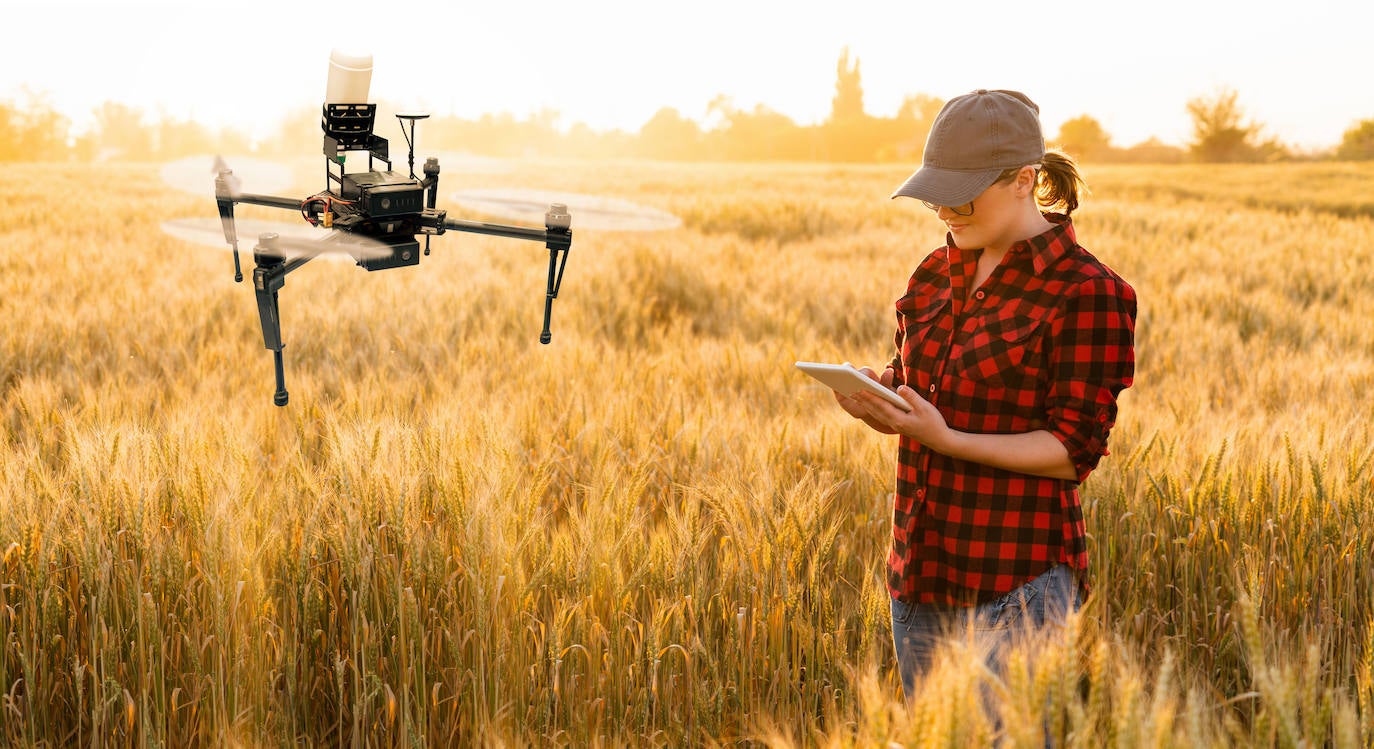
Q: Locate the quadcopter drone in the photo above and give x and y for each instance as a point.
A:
(373, 216)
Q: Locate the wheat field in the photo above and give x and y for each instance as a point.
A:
(653, 532)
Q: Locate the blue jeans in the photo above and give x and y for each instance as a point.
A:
(917, 629)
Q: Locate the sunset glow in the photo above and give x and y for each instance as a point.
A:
(613, 64)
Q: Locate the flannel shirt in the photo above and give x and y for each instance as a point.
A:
(1047, 342)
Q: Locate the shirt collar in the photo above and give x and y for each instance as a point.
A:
(1044, 248)
(1051, 244)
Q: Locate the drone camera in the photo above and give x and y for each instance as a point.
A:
(405, 250)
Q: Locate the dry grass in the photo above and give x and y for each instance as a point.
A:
(653, 532)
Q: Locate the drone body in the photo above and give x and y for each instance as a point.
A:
(375, 216)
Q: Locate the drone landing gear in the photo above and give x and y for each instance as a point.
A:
(226, 217)
(280, 397)
(556, 253)
(268, 277)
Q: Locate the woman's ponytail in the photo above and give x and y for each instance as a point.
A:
(1059, 182)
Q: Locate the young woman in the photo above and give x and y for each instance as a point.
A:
(1013, 343)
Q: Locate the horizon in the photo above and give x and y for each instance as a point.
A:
(612, 65)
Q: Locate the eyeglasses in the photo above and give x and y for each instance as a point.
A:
(959, 210)
(967, 208)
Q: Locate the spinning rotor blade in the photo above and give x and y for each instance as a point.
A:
(195, 175)
(461, 162)
(294, 240)
(588, 211)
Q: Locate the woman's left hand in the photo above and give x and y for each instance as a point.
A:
(922, 423)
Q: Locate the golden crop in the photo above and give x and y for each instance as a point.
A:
(653, 531)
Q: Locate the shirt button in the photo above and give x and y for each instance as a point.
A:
(978, 294)
(932, 387)
(920, 493)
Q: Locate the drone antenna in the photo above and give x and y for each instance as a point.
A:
(411, 117)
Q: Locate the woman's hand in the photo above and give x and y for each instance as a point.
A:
(857, 409)
(923, 422)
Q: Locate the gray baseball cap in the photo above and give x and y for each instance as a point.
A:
(974, 139)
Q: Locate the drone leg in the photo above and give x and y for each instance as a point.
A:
(238, 273)
(226, 219)
(545, 336)
(558, 260)
(267, 279)
(280, 396)
(269, 313)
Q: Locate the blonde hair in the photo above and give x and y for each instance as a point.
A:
(1057, 181)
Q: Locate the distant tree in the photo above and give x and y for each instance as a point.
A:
(33, 130)
(1151, 151)
(910, 128)
(298, 134)
(230, 140)
(582, 141)
(9, 132)
(921, 107)
(178, 138)
(850, 134)
(762, 134)
(120, 132)
(1084, 138)
(45, 134)
(1358, 142)
(1221, 133)
(848, 103)
(669, 135)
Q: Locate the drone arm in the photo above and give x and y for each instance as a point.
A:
(498, 230)
(271, 201)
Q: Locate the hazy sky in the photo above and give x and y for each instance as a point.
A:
(1301, 69)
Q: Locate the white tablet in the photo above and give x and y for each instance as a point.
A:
(846, 380)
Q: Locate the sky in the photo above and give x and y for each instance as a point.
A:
(1300, 69)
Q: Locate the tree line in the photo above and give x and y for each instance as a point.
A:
(1221, 132)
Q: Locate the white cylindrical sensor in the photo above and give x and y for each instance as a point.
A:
(350, 75)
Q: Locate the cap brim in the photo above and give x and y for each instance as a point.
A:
(947, 186)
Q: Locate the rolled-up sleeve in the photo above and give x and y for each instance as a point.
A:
(1092, 359)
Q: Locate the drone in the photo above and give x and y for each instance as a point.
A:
(375, 216)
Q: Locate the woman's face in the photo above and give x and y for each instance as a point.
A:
(997, 214)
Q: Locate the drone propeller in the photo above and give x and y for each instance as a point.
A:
(195, 175)
(594, 212)
(223, 174)
(293, 240)
(466, 163)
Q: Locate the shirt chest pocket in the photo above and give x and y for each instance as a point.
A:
(923, 335)
(1004, 351)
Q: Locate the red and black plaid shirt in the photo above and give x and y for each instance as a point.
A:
(1045, 343)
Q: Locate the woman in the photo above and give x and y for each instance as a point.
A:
(1013, 343)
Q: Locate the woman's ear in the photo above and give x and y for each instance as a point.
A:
(1025, 181)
